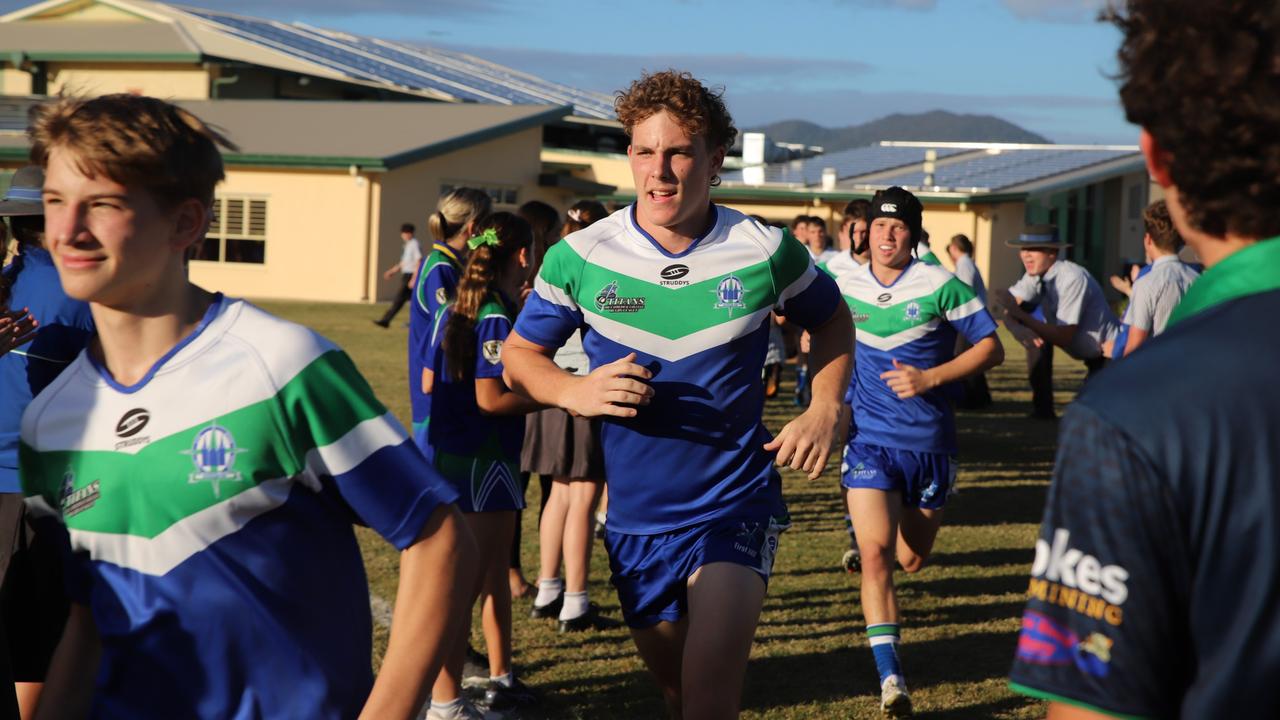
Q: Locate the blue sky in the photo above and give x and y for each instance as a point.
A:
(1042, 64)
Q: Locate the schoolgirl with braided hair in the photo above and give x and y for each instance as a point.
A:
(473, 436)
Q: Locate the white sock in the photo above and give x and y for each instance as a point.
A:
(447, 710)
(548, 591)
(503, 680)
(575, 605)
(601, 518)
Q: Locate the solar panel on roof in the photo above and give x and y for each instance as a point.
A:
(454, 75)
(847, 164)
(1006, 169)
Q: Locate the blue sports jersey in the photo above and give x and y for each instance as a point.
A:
(1157, 572)
(914, 320)
(437, 281)
(65, 327)
(699, 320)
(210, 508)
(457, 425)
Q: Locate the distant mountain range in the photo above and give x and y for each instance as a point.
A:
(938, 125)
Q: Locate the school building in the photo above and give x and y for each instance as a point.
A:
(343, 137)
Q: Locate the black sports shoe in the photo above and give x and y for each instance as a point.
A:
(475, 669)
(589, 620)
(549, 611)
(501, 698)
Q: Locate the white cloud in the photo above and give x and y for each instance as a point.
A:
(1056, 10)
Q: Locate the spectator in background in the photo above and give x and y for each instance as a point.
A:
(1076, 315)
(924, 253)
(566, 450)
(407, 268)
(32, 597)
(976, 392)
(1157, 292)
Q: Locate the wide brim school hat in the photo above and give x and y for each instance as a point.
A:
(25, 193)
(1038, 236)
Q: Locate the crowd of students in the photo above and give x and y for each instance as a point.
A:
(192, 465)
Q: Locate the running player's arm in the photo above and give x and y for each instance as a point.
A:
(550, 315)
(436, 573)
(812, 300)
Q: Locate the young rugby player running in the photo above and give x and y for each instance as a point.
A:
(208, 460)
(900, 465)
(675, 294)
(1154, 587)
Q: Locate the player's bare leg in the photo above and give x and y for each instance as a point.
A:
(917, 530)
(662, 649)
(876, 514)
(724, 609)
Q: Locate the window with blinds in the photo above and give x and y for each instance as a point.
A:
(238, 232)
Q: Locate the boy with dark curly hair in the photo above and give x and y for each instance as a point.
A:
(675, 295)
(1153, 591)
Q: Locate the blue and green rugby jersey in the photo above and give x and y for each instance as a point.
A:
(209, 510)
(699, 320)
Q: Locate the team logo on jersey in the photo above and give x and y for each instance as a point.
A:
(73, 501)
(442, 297)
(492, 350)
(884, 298)
(671, 275)
(912, 311)
(214, 455)
(731, 294)
(608, 300)
(1065, 576)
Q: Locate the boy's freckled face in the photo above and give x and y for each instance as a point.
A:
(109, 242)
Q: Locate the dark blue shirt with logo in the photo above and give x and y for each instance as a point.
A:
(1155, 590)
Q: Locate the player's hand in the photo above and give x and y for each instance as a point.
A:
(16, 327)
(389, 274)
(805, 443)
(908, 381)
(616, 389)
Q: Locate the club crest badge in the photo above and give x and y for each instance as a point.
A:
(912, 311)
(442, 297)
(731, 294)
(213, 453)
(492, 350)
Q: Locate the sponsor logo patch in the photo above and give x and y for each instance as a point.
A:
(1045, 642)
(608, 300)
(130, 424)
(860, 317)
(862, 472)
(731, 294)
(213, 453)
(1065, 576)
(442, 297)
(73, 501)
(884, 298)
(888, 207)
(672, 275)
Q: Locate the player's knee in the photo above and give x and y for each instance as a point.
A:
(912, 563)
(877, 562)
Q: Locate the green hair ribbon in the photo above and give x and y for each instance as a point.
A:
(488, 237)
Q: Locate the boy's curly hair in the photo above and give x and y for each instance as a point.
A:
(697, 109)
(1203, 78)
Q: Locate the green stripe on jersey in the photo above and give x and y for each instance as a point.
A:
(179, 475)
(1053, 697)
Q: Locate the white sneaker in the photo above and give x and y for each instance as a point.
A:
(463, 711)
(894, 700)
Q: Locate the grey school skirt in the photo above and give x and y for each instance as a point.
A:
(556, 443)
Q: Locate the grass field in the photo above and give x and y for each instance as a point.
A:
(960, 614)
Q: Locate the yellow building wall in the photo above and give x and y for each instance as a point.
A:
(605, 168)
(175, 81)
(316, 237)
(410, 194)
(997, 225)
(15, 82)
